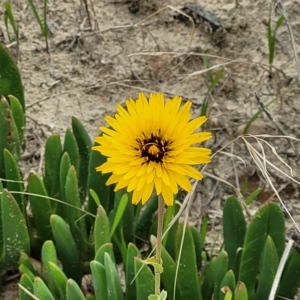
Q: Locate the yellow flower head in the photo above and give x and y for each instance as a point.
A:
(149, 147)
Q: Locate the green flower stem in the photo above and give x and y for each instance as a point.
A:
(161, 204)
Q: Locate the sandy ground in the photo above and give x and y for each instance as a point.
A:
(92, 66)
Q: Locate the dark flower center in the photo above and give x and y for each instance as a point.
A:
(153, 148)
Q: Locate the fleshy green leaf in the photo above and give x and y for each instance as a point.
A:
(99, 280)
(101, 231)
(227, 286)
(70, 146)
(40, 290)
(189, 289)
(65, 165)
(15, 233)
(234, 230)
(144, 280)
(9, 136)
(290, 279)
(269, 220)
(57, 280)
(241, 292)
(15, 181)
(96, 182)
(18, 115)
(10, 78)
(84, 146)
(74, 291)
(112, 278)
(26, 261)
(132, 252)
(105, 248)
(268, 270)
(40, 206)
(220, 269)
(67, 248)
(53, 154)
(209, 279)
(168, 275)
(26, 283)
(24, 270)
(74, 214)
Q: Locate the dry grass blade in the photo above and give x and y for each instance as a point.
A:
(280, 268)
(27, 292)
(53, 199)
(219, 179)
(261, 161)
(277, 125)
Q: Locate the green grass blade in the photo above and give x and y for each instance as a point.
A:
(253, 195)
(45, 22)
(119, 213)
(206, 65)
(279, 23)
(204, 107)
(255, 116)
(37, 16)
(216, 80)
(9, 15)
(271, 42)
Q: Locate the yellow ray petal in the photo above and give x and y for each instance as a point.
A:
(147, 192)
(168, 196)
(181, 180)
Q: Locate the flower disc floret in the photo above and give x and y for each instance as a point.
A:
(150, 146)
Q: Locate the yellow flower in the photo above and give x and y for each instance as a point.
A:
(149, 147)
